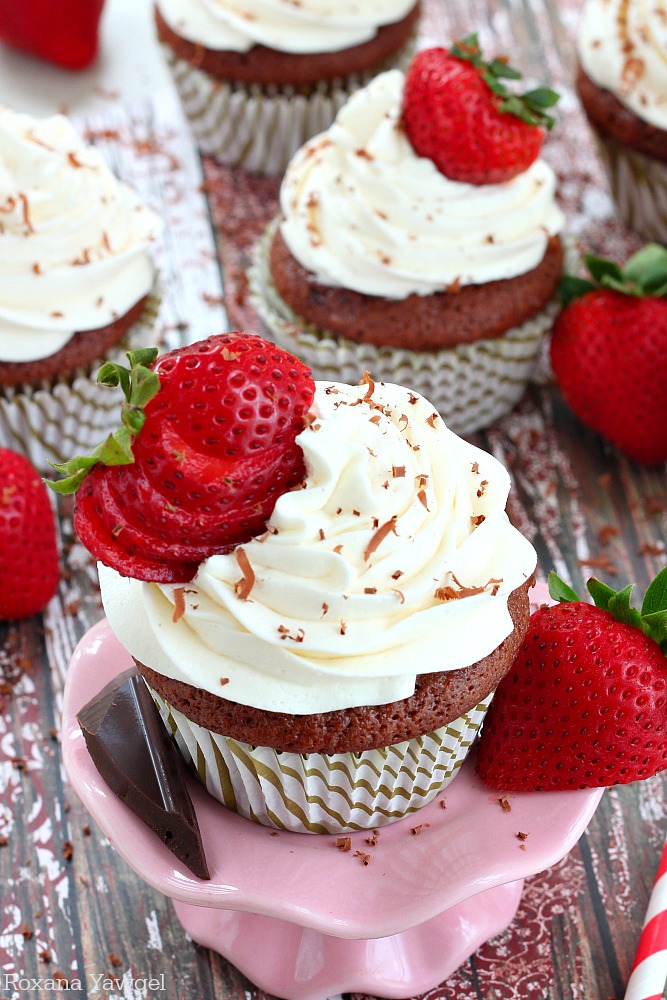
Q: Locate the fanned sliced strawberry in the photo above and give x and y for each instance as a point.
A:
(207, 447)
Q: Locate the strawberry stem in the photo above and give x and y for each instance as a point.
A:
(644, 275)
(529, 107)
(139, 384)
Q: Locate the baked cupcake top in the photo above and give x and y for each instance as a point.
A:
(623, 48)
(74, 238)
(361, 210)
(394, 557)
(309, 26)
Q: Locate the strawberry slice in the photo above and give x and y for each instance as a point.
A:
(585, 703)
(206, 448)
(64, 32)
(458, 112)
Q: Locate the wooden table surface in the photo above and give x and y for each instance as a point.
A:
(70, 909)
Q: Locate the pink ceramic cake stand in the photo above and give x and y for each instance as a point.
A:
(304, 920)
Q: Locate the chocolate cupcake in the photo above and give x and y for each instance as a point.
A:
(622, 82)
(257, 83)
(77, 286)
(444, 286)
(325, 648)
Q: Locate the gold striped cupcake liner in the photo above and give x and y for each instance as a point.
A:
(324, 793)
(62, 418)
(638, 185)
(260, 128)
(471, 385)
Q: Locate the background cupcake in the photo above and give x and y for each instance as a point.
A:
(380, 260)
(331, 672)
(622, 83)
(76, 285)
(256, 81)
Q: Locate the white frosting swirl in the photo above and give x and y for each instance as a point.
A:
(623, 48)
(74, 238)
(363, 211)
(358, 579)
(303, 27)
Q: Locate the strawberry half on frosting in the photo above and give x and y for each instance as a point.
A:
(206, 447)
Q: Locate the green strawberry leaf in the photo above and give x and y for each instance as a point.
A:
(655, 598)
(571, 287)
(542, 97)
(600, 593)
(139, 385)
(600, 268)
(648, 268)
(529, 107)
(619, 606)
(559, 590)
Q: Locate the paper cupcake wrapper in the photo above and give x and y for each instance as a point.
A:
(471, 385)
(324, 793)
(65, 417)
(256, 128)
(638, 185)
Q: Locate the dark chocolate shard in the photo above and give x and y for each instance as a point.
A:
(140, 763)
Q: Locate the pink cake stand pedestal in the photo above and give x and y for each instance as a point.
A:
(304, 920)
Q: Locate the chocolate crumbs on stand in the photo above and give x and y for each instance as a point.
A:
(343, 843)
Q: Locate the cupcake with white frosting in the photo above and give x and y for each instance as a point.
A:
(258, 79)
(378, 260)
(622, 84)
(76, 285)
(331, 672)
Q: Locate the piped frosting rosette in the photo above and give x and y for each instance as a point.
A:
(257, 127)
(76, 258)
(395, 558)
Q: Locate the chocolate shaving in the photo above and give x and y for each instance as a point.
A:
(398, 471)
(344, 843)
(247, 582)
(285, 634)
(421, 496)
(365, 858)
(504, 803)
(385, 529)
(179, 604)
(26, 212)
(432, 419)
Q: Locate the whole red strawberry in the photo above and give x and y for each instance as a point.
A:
(585, 702)
(206, 448)
(64, 32)
(29, 570)
(458, 113)
(609, 351)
